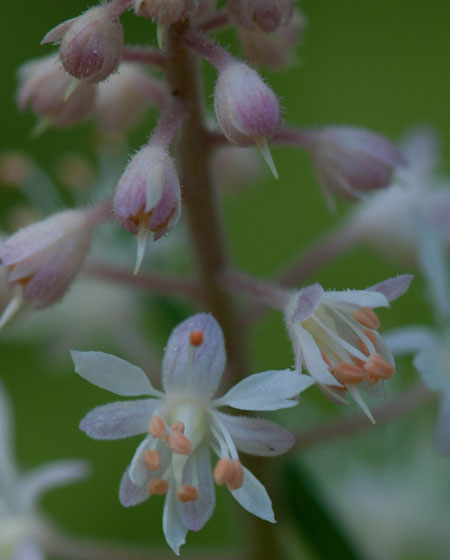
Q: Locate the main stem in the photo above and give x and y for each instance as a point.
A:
(199, 199)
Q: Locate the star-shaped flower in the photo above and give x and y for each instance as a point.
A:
(182, 424)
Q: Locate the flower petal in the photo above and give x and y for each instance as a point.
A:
(118, 419)
(395, 287)
(312, 358)
(137, 471)
(306, 302)
(256, 436)
(50, 475)
(363, 298)
(113, 374)
(197, 367)
(269, 390)
(442, 435)
(430, 369)
(26, 548)
(195, 514)
(408, 339)
(129, 493)
(173, 527)
(254, 498)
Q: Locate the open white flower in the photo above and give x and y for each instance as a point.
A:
(23, 531)
(183, 423)
(335, 335)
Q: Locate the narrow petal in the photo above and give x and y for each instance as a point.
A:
(256, 436)
(363, 298)
(430, 369)
(27, 548)
(360, 401)
(129, 493)
(408, 339)
(195, 368)
(137, 471)
(307, 301)
(443, 425)
(312, 358)
(119, 419)
(195, 514)
(174, 530)
(269, 390)
(113, 374)
(395, 287)
(254, 498)
(49, 476)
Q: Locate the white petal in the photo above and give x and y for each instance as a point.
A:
(430, 369)
(49, 476)
(194, 368)
(306, 302)
(443, 425)
(408, 339)
(195, 514)
(254, 498)
(174, 530)
(129, 493)
(113, 374)
(395, 287)
(269, 390)
(119, 419)
(256, 436)
(27, 549)
(360, 401)
(137, 471)
(363, 298)
(312, 358)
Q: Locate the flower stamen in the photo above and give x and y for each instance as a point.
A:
(152, 460)
(157, 486)
(196, 338)
(179, 443)
(348, 373)
(367, 318)
(157, 427)
(186, 493)
(376, 367)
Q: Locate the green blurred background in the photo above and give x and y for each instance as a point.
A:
(381, 65)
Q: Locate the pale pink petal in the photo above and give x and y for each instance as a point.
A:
(393, 288)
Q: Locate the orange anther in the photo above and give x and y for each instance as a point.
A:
(367, 317)
(187, 493)
(348, 373)
(157, 486)
(371, 379)
(325, 359)
(177, 427)
(179, 443)
(156, 427)
(236, 478)
(377, 367)
(222, 470)
(361, 344)
(152, 460)
(196, 338)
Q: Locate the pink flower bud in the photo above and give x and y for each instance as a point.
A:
(43, 86)
(165, 12)
(266, 15)
(350, 161)
(246, 108)
(44, 257)
(274, 50)
(148, 197)
(91, 44)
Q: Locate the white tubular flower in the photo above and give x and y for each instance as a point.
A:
(182, 424)
(335, 336)
(23, 531)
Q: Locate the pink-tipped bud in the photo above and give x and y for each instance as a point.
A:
(148, 196)
(266, 15)
(43, 85)
(165, 12)
(246, 108)
(351, 160)
(122, 100)
(44, 257)
(91, 44)
(276, 49)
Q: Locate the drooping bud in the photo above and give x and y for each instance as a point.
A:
(247, 110)
(274, 50)
(266, 15)
(122, 99)
(43, 86)
(43, 258)
(350, 160)
(91, 44)
(148, 197)
(164, 12)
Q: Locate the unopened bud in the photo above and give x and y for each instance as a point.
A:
(148, 197)
(266, 15)
(91, 44)
(165, 12)
(351, 160)
(43, 86)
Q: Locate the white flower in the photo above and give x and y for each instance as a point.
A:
(183, 423)
(22, 529)
(335, 335)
